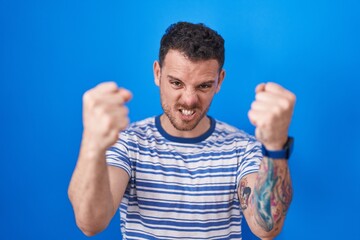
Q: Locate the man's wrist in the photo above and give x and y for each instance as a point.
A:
(284, 152)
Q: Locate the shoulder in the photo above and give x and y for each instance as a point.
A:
(142, 124)
(230, 131)
(142, 128)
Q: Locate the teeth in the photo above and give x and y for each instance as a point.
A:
(187, 112)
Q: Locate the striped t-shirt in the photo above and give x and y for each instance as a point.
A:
(183, 188)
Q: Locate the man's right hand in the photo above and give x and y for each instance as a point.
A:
(104, 115)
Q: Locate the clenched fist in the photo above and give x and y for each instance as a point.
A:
(271, 114)
(104, 115)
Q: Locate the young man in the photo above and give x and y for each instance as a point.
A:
(184, 174)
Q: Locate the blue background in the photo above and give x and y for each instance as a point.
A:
(52, 52)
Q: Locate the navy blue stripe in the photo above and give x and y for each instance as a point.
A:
(188, 224)
(216, 227)
(140, 235)
(184, 170)
(150, 139)
(135, 198)
(187, 188)
(145, 150)
(185, 206)
(182, 193)
(188, 177)
(227, 183)
(192, 212)
(178, 158)
(120, 166)
(231, 235)
(204, 166)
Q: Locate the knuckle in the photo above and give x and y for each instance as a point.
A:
(112, 84)
(286, 104)
(250, 114)
(258, 95)
(87, 96)
(88, 104)
(90, 98)
(292, 97)
(253, 104)
(107, 85)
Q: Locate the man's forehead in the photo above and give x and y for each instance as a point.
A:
(179, 62)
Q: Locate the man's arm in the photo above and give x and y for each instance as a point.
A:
(96, 189)
(265, 196)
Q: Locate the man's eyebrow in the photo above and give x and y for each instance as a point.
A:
(177, 79)
(208, 82)
(173, 78)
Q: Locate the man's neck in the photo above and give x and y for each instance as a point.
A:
(199, 130)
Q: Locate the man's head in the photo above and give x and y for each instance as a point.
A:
(189, 73)
(196, 41)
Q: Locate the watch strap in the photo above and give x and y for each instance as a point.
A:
(285, 153)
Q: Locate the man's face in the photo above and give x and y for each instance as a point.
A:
(186, 90)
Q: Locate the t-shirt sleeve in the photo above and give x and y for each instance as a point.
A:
(250, 159)
(118, 154)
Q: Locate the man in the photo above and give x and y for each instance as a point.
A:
(184, 174)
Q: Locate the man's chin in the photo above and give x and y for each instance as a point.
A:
(184, 127)
(182, 124)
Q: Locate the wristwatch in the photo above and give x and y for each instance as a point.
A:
(280, 154)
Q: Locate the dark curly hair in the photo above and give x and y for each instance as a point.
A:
(196, 41)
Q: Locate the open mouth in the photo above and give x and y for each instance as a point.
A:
(187, 112)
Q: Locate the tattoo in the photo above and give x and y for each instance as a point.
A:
(285, 192)
(272, 194)
(262, 195)
(245, 192)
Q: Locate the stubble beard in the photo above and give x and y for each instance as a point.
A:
(183, 125)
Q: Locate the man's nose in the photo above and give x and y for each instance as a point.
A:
(190, 97)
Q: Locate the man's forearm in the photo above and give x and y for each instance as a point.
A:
(272, 194)
(89, 192)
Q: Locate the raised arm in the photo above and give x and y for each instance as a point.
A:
(265, 196)
(96, 189)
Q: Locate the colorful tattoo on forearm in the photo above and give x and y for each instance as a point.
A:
(272, 194)
(245, 192)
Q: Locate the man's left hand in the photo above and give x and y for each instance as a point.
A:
(271, 114)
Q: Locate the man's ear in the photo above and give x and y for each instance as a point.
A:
(157, 73)
(221, 79)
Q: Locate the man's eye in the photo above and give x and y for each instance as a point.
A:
(176, 83)
(205, 86)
